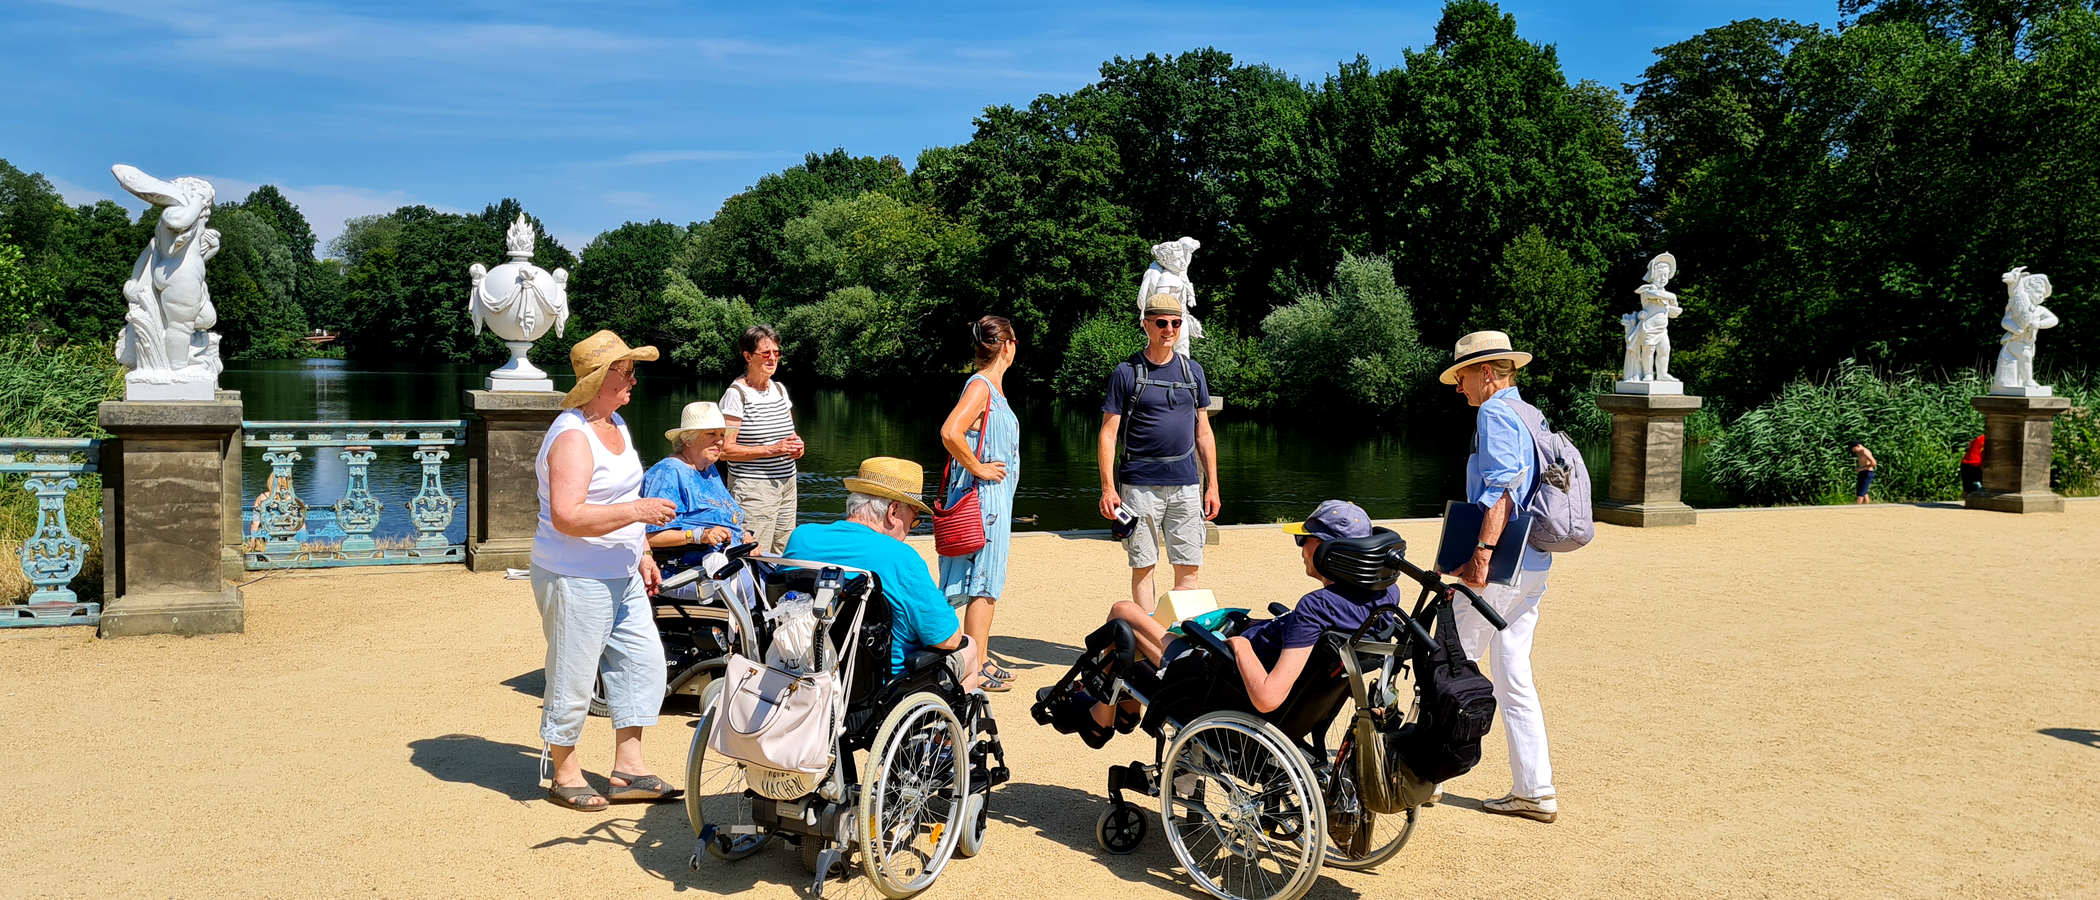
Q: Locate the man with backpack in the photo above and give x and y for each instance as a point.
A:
(1168, 477)
(1503, 477)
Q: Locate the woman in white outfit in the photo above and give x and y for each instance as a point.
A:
(592, 577)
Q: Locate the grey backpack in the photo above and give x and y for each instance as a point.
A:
(1560, 503)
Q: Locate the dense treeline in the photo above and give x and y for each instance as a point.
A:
(1833, 193)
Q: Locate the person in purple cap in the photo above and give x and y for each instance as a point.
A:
(1271, 653)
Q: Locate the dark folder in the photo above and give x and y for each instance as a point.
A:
(1462, 531)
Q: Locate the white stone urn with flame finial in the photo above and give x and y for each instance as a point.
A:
(518, 301)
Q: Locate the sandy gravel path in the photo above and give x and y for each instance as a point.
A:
(1887, 701)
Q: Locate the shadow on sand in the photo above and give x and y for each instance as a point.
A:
(508, 769)
(2087, 736)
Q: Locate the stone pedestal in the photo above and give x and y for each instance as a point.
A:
(504, 430)
(1647, 460)
(171, 511)
(2017, 434)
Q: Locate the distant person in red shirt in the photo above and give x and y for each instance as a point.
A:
(1972, 468)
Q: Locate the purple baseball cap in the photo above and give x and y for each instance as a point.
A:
(1334, 520)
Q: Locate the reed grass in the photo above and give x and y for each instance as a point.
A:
(53, 392)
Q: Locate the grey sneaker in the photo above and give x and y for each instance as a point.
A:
(1543, 809)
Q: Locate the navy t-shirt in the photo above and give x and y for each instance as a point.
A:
(1336, 607)
(1163, 423)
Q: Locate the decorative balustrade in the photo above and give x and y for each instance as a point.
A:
(280, 520)
(51, 555)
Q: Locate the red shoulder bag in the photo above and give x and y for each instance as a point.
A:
(959, 530)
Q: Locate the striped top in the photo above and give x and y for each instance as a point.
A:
(768, 417)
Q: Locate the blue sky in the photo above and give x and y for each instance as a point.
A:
(595, 114)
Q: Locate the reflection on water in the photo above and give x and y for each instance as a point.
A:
(1267, 472)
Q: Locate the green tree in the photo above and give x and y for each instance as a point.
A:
(1354, 347)
(1548, 306)
(620, 278)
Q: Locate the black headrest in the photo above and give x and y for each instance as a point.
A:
(1370, 562)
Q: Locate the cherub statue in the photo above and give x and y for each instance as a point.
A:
(1648, 331)
(1169, 274)
(166, 338)
(2024, 318)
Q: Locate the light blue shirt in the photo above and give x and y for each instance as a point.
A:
(922, 616)
(701, 498)
(1505, 458)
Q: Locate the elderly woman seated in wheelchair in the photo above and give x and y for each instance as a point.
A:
(837, 651)
(1257, 772)
(708, 516)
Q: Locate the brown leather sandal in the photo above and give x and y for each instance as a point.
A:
(576, 798)
(642, 789)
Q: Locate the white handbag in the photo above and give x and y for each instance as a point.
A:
(775, 718)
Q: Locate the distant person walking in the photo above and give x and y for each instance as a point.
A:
(1863, 463)
(1500, 476)
(983, 438)
(1972, 468)
(592, 578)
(1168, 477)
(762, 445)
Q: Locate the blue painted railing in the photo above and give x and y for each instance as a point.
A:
(282, 524)
(52, 555)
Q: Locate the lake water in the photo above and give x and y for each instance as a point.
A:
(1268, 472)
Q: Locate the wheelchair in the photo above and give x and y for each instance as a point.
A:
(899, 813)
(1252, 803)
(695, 631)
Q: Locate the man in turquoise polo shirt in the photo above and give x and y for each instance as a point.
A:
(881, 507)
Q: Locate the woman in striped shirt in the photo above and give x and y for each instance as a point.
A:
(762, 446)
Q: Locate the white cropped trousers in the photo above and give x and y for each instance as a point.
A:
(1508, 655)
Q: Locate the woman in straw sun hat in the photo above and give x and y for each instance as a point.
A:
(592, 577)
(707, 514)
(1500, 476)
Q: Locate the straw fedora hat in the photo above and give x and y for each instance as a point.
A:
(699, 415)
(1163, 303)
(1479, 347)
(891, 479)
(591, 357)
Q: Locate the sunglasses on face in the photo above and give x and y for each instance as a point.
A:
(1164, 324)
(1300, 538)
(766, 354)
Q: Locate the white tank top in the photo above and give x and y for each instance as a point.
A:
(615, 478)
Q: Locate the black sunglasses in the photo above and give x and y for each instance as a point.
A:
(1300, 538)
(1166, 323)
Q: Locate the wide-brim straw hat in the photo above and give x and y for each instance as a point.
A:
(1163, 303)
(699, 415)
(592, 357)
(1479, 347)
(891, 479)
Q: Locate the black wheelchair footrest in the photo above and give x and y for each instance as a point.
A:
(1133, 777)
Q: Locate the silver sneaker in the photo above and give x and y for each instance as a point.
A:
(1543, 809)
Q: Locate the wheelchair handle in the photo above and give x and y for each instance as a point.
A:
(1415, 631)
(1277, 609)
(1486, 612)
(1194, 630)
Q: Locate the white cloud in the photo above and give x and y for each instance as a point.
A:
(326, 206)
(81, 196)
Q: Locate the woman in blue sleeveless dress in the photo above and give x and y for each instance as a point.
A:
(976, 580)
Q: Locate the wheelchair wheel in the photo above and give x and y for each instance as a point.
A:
(1358, 838)
(1242, 809)
(911, 803)
(976, 817)
(715, 792)
(1121, 828)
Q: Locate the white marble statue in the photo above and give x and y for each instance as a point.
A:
(518, 301)
(167, 341)
(2024, 317)
(1169, 274)
(1647, 335)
